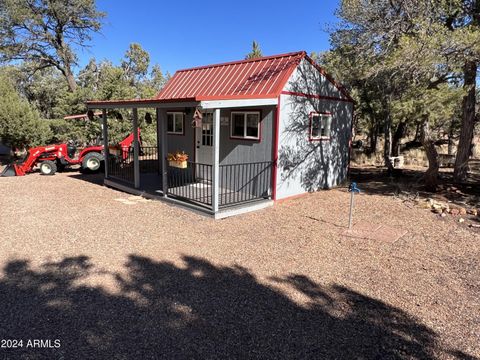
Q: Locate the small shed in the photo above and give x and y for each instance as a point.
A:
(254, 131)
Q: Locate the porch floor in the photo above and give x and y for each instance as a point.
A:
(198, 193)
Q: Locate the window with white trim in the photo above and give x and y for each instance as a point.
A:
(320, 126)
(175, 122)
(245, 125)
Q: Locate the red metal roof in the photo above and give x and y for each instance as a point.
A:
(256, 78)
(263, 77)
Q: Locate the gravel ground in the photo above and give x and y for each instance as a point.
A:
(113, 276)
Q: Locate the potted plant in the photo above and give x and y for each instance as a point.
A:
(177, 159)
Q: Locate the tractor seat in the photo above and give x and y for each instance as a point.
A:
(71, 149)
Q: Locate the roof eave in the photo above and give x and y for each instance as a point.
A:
(100, 104)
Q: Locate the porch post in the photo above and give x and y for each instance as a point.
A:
(159, 143)
(163, 147)
(216, 160)
(106, 152)
(136, 150)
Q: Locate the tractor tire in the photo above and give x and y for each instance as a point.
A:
(48, 167)
(92, 162)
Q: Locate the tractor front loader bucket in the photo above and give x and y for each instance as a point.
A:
(9, 171)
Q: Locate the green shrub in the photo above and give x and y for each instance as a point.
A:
(20, 123)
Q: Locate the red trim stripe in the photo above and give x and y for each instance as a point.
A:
(329, 78)
(275, 149)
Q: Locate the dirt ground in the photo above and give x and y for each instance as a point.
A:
(113, 276)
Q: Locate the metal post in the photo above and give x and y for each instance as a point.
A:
(136, 150)
(216, 160)
(162, 126)
(106, 152)
(351, 210)
(352, 189)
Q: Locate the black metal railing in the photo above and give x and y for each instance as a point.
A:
(120, 164)
(245, 182)
(191, 184)
(149, 159)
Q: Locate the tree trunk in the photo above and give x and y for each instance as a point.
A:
(72, 84)
(397, 136)
(387, 149)
(468, 123)
(373, 139)
(417, 133)
(431, 175)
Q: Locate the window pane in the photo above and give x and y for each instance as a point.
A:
(252, 125)
(327, 124)
(207, 135)
(238, 125)
(207, 118)
(316, 126)
(322, 126)
(170, 126)
(179, 123)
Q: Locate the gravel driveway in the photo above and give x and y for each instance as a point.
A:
(113, 276)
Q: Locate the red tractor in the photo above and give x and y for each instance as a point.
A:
(57, 157)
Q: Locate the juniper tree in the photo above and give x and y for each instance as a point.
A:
(20, 123)
(410, 44)
(46, 33)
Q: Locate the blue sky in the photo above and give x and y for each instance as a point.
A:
(180, 34)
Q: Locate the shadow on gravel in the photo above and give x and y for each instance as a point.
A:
(96, 179)
(198, 311)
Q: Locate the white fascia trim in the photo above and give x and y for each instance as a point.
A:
(219, 104)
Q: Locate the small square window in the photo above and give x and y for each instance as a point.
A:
(245, 125)
(175, 121)
(320, 126)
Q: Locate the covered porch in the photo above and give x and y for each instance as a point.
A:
(222, 173)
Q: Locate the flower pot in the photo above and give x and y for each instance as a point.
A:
(178, 164)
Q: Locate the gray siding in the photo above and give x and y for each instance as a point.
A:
(248, 180)
(232, 151)
(235, 151)
(305, 165)
(307, 79)
(183, 142)
(254, 180)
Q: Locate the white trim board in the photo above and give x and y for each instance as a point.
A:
(220, 104)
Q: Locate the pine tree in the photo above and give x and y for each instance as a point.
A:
(255, 53)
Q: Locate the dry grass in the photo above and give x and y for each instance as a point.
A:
(115, 276)
(415, 157)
